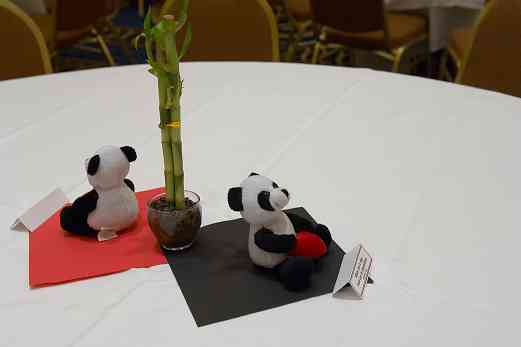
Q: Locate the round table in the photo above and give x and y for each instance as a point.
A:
(425, 174)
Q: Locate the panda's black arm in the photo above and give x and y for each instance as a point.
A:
(87, 202)
(301, 223)
(267, 240)
(130, 184)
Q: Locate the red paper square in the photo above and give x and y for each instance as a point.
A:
(57, 257)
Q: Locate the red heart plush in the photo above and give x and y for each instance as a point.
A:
(308, 245)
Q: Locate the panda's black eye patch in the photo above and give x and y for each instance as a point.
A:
(264, 201)
(275, 185)
(93, 165)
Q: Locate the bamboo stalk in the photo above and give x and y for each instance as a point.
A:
(175, 111)
(162, 54)
(177, 154)
(166, 139)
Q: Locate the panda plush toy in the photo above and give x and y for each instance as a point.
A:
(112, 205)
(284, 242)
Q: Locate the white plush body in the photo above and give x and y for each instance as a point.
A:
(281, 226)
(275, 220)
(116, 209)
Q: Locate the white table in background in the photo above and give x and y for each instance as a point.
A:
(425, 174)
(411, 4)
(32, 7)
(444, 16)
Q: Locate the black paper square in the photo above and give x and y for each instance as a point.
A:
(219, 281)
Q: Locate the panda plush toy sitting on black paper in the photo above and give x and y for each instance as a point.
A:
(112, 205)
(278, 240)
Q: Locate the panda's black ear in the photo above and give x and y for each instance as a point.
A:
(93, 165)
(253, 174)
(130, 153)
(235, 199)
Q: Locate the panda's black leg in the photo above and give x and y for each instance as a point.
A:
(75, 222)
(295, 272)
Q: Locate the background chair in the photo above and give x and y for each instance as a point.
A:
(233, 30)
(365, 25)
(26, 53)
(493, 60)
(459, 43)
(77, 20)
(299, 9)
(47, 24)
(300, 19)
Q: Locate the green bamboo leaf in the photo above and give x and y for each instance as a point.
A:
(148, 48)
(147, 24)
(186, 42)
(161, 31)
(184, 7)
(158, 69)
(180, 23)
(179, 88)
(183, 15)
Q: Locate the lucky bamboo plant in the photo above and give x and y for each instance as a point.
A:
(163, 56)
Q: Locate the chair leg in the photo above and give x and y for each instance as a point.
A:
(430, 72)
(399, 53)
(293, 39)
(290, 56)
(104, 47)
(141, 8)
(339, 59)
(444, 69)
(316, 52)
(396, 62)
(298, 32)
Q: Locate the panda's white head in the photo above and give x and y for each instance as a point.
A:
(109, 166)
(258, 199)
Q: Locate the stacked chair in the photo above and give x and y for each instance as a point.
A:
(231, 30)
(366, 26)
(47, 24)
(301, 20)
(77, 22)
(27, 53)
(488, 55)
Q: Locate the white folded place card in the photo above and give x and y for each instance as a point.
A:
(42, 210)
(354, 270)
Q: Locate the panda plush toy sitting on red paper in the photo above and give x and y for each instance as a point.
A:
(278, 240)
(111, 205)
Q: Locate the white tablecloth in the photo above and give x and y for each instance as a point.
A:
(444, 16)
(425, 174)
(411, 4)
